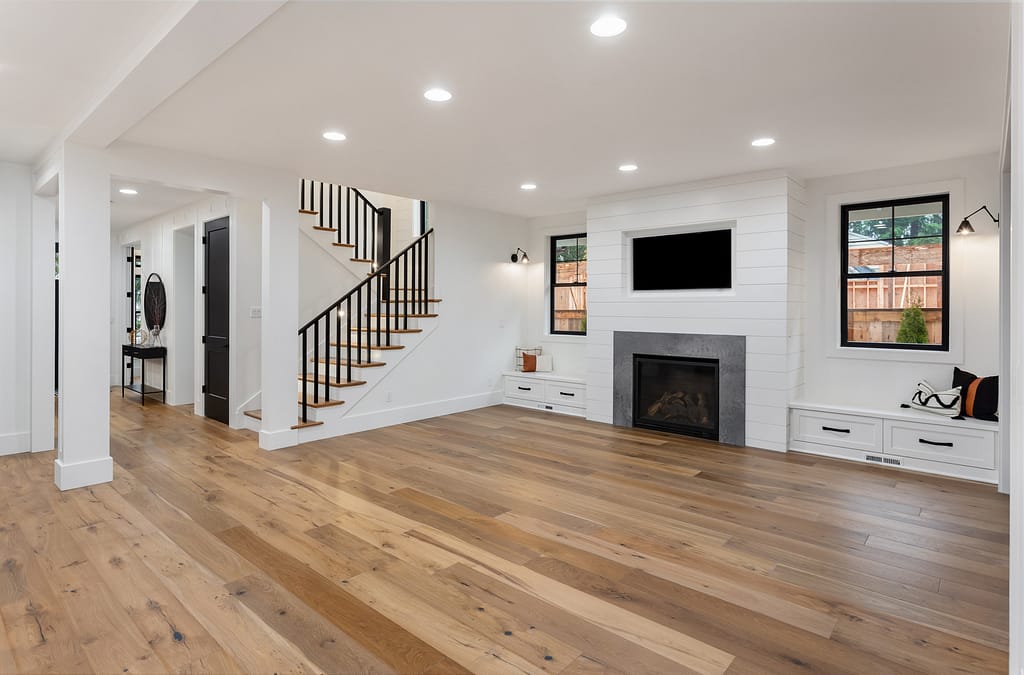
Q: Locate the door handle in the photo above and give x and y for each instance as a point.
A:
(841, 431)
(927, 442)
(566, 393)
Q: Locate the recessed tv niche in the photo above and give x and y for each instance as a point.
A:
(686, 261)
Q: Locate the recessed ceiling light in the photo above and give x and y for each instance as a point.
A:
(762, 142)
(528, 186)
(626, 168)
(437, 95)
(334, 135)
(128, 191)
(608, 26)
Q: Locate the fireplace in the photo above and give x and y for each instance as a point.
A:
(676, 394)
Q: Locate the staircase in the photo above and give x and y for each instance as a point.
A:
(351, 346)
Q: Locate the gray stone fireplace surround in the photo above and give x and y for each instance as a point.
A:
(731, 352)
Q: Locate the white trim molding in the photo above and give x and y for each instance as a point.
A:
(83, 474)
(14, 443)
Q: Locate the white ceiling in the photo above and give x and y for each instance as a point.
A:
(55, 57)
(152, 201)
(843, 87)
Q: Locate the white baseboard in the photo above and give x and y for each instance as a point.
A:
(276, 440)
(14, 443)
(82, 474)
(351, 424)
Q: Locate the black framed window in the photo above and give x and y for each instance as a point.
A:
(569, 284)
(895, 279)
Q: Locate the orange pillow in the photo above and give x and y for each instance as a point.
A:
(529, 363)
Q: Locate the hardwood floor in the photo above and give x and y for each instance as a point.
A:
(499, 540)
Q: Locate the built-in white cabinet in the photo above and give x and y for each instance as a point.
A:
(906, 439)
(546, 391)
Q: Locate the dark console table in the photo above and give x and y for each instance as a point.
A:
(143, 354)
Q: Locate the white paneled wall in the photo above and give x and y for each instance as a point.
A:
(765, 304)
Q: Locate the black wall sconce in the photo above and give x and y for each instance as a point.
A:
(520, 256)
(965, 224)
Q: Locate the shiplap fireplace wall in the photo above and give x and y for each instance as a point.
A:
(766, 303)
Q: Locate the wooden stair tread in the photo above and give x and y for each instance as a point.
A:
(304, 425)
(405, 316)
(343, 345)
(412, 300)
(333, 383)
(334, 243)
(258, 415)
(382, 330)
(355, 364)
(321, 403)
(325, 229)
(255, 414)
(309, 213)
(362, 260)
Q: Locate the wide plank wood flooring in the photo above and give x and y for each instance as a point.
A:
(498, 540)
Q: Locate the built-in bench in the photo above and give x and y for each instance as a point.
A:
(903, 438)
(564, 394)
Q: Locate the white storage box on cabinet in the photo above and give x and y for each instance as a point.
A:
(546, 391)
(902, 438)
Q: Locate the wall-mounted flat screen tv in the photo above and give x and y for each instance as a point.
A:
(687, 261)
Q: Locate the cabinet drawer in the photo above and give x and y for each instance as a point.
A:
(566, 394)
(969, 447)
(835, 429)
(521, 387)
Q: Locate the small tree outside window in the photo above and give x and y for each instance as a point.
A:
(895, 262)
(569, 284)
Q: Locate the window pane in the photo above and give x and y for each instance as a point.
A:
(918, 255)
(868, 224)
(570, 313)
(869, 256)
(918, 220)
(877, 310)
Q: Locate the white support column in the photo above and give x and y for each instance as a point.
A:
(44, 235)
(1014, 417)
(280, 291)
(83, 456)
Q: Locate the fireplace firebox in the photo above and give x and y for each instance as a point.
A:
(676, 394)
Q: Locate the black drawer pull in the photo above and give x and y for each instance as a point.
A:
(841, 431)
(525, 388)
(927, 442)
(566, 393)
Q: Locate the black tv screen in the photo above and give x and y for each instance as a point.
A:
(688, 261)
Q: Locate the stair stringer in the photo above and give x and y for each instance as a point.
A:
(339, 420)
(325, 241)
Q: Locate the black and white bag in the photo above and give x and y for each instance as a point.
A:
(939, 402)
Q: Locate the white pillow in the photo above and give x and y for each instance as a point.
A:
(544, 363)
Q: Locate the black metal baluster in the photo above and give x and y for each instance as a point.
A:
(387, 307)
(302, 196)
(426, 274)
(327, 355)
(330, 206)
(320, 211)
(348, 342)
(405, 290)
(316, 361)
(348, 216)
(337, 327)
(305, 376)
(359, 322)
(380, 310)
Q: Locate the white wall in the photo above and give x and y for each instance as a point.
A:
(459, 365)
(323, 278)
(568, 351)
(758, 307)
(184, 310)
(832, 375)
(15, 306)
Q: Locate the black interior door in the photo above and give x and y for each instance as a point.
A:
(216, 291)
